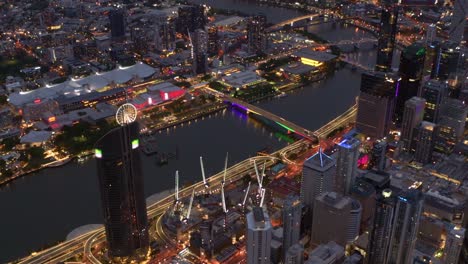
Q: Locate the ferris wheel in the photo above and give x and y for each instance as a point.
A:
(126, 114)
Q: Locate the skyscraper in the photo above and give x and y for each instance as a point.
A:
(294, 255)
(330, 252)
(446, 61)
(405, 226)
(457, 25)
(453, 244)
(346, 165)
(117, 23)
(190, 18)
(379, 238)
(164, 34)
(451, 125)
(256, 33)
(434, 92)
(121, 187)
(412, 117)
(376, 104)
(431, 34)
(258, 236)
(386, 40)
(425, 142)
(292, 212)
(199, 51)
(331, 218)
(411, 69)
(378, 158)
(318, 176)
(354, 222)
(213, 39)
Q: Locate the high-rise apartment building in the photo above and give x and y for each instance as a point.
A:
(425, 142)
(379, 238)
(117, 23)
(259, 231)
(331, 218)
(434, 92)
(387, 33)
(292, 212)
(412, 117)
(346, 165)
(405, 226)
(256, 33)
(376, 104)
(410, 72)
(121, 187)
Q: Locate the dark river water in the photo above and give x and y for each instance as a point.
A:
(43, 208)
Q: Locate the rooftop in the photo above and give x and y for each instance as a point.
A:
(320, 161)
(314, 55)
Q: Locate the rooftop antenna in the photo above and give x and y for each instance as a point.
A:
(190, 204)
(223, 199)
(203, 171)
(246, 194)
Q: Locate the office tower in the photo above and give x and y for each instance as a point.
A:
(431, 34)
(451, 125)
(434, 92)
(258, 236)
(378, 158)
(354, 222)
(164, 35)
(424, 142)
(386, 40)
(213, 39)
(346, 164)
(411, 69)
(432, 52)
(330, 253)
(453, 244)
(121, 187)
(376, 104)
(199, 51)
(446, 61)
(405, 226)
(458, 22)
(379, 238)
(117, 23)
(331, 218)
(292, 212)
(190, 18)
(318, 175)
(294, 255)
(256, 33)
(412, 117)
(365, 193)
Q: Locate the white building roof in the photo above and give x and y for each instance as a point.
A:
(87, 84)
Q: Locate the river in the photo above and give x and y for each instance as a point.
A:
(43, 208)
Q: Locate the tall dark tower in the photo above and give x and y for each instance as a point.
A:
(121, 187)
(256, 33)
(117, 23)
(411, 69)
(388, 29)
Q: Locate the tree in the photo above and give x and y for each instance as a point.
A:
(3, 99)
(9, 143)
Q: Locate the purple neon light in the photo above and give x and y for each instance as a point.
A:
(240, 106)
(397, 89)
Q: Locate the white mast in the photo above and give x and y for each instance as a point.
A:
(190, 204)
(262, 197)
(177, 185)
(246, 194)
(223, 199)
(258, 176)
(203, 171)
(263, 171)
(225, 168)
